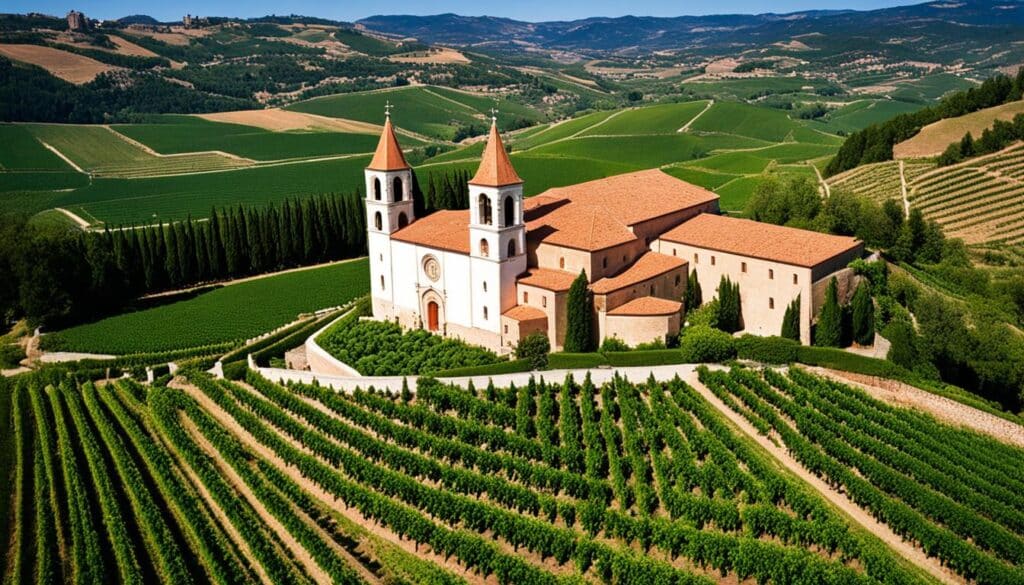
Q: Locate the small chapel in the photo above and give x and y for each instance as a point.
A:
(501, 270)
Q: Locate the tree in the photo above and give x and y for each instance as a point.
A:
(534, 348)
(791, 320)
(863, 315)
(406, 393)
(829, 332)
(579, 315)
(694, 296)
(730, 318)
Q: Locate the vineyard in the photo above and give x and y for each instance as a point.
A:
(878, 181)
(214, 481)
(955, 494)
(980, 200)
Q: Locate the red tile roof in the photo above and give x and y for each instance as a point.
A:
(495, 167)
(646, 267)
(755, 239)
(547, 279)
(444, 230)
(647, 306)
(523, 313)
(599, 214)
(389, 155)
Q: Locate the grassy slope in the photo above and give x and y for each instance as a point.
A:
(934, 138)
(233, 312)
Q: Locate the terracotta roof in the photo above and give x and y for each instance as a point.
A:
(646, 267)
(599, 214)
(444, 230)
(760, 240)
(389, 155)
(495, 167)
(547, 279)
(525, 313)
(647, 306)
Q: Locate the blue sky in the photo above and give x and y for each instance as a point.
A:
(530, 10)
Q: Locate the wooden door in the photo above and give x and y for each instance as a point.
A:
(432, 324)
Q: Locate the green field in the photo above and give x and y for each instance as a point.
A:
(234, 312)
(660, 119)
(22, 152)
(560, 130)
(863, 113)
(430, 111)
(745, 120)
(184, 134)
(101, 151)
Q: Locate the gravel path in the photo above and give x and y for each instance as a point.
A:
(902, 547)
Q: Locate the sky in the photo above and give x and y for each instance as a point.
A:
(350, 10)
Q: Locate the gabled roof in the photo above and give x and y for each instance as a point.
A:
(524, 313)
(646, 267)
(495, 167)
(443, 230)
(755, 239)
(548, 279)
(647, 307)
(389, 155)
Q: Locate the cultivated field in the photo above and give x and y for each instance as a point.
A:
(955, 494)
(879, 181)
(230, 313)
(67, 66)
(935, 137)
(278, 120)
(980, 200)
(209, 480)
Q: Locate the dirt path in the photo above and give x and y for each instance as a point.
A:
(686, 127)
(945, 409)
(64, 158)
(826, 190)
(75, 218)
(325, 497)
(902, 547)
(152, 152)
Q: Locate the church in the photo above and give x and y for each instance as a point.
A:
(501, 270)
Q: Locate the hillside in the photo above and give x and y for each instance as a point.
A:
(935, 137)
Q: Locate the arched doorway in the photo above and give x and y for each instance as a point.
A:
(433, 317)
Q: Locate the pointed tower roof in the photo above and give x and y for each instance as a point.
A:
(389, 154)
(495, 167)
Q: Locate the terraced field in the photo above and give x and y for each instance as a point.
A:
(209, 480)
(980, 200)
(955, 494)
(879, 181)
(101, 152)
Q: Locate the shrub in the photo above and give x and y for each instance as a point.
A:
(235, 370)
(704, 344)
(769, 350)
(569, 361)
(837, 359)
(11, 355)
(534, 348)
(863, 309)
(905, 347)
(706, 315)
(658, 343)
(613, 344)
(650, 357)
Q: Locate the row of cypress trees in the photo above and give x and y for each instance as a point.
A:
(838, 324)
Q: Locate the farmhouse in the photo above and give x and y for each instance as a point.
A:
(501, 270)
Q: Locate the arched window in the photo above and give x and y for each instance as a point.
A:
(510, 211)
(485, 248)
(485, 313)
(376, 188)
(484, 203)
(378, 221)
(396, 186)
(511, 248)
(402, 220)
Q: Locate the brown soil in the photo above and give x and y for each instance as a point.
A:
(67, 66)
(906, 549)
(935, 137)
(281, 120)
(441, 56)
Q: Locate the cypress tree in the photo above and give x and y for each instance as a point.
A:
(863, 315)
(829, 332)
(186, 251)
(729, 317)
(694, 297)
(791, 321)
(171, 264)
(579, 313)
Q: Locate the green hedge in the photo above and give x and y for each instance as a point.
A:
(769, 350)
(837, 359)
(571, 361)
(507, 367)
(241, 352)
(648, 357)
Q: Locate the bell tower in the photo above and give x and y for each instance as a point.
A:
(497, 233)
(389, 208)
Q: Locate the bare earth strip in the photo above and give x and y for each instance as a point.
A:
(902, 547)
(442, 56)
(327, 498)
(278, 120)
(67, 66)
(61, 155)
(942, 408)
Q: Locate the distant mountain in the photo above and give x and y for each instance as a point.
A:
(936, 19)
